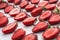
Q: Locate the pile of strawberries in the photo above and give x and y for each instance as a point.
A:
(47, 12)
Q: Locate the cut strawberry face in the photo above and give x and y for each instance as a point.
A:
(30, 7)
(21, 16)
(45, 15)
(58, 37)
(3, 5)
(41, 26)
(17, 1)
(35, 1)
(53, 1)
(43, 4)
(9, 28)
(19, 34)
(3, 21)
(51, 33)
(23, 4)
(29, 21)
(10, 1)
(50, 6)
(36, 11)
(30, 37)
(8, 8)
(54, 19)
(14, 12)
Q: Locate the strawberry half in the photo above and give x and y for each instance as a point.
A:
(35, 1)
(17, 1)
(21, 16)
(43, 4)
(23, 4)
(45, 15)
(19, 34)
(36, 11)
(30, 37)
(30, 7)
(9, 28)
(51, 33)
(58, 37)
(8, 8)
(29, 21)
(54, 19)
(14, 12)
(3, 5)
(53, 1)
(50, 6)
(41, 26)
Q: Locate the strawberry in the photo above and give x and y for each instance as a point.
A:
(35, 1)
(50, 6)
(30, 37)
(45, 15)
(3, 5)
(21, 16)
(43, 4)
(30, 7)
(10, 1)
(8, 8)
(29, 21)
(36, 11)
(3, 20)
(51, 33)
(40, 27)
(58, 4)
(23, 4)
(1, 14)
(53, 1)
(0, 1)
(58, 37)
(17, 1)
(19, 34)
(54, 19)
(14, 12)
(9, 28)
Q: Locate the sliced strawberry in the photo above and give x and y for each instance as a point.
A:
(45, 15)
(23, 4)
(8, 8)
(51, 33)
(50, 6)
(17, 1)
(30, 7)
(35, 1)
(53, 1)
(1, 14)
(58, 37)
(14, 12)
(29, 21)
(43, 4)
(3, 5)
(41, 26)
(3, 21)
(36, 11)
(21, 16)
(54, 19)
(9, 28)
(19, 34)
(10, 1)
(58, 3)
(30, 37)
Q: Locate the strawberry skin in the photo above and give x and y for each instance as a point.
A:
(29, 21)
(58, 37)
(9, 28)
(21, 16)
(30, 37)
(18, 34)
(30, 7)
(34, 1)
(10, 1)
(54, 19)
(40, 27)
(45, 15)
(53, 1)
(36, 11)
(51, 33)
